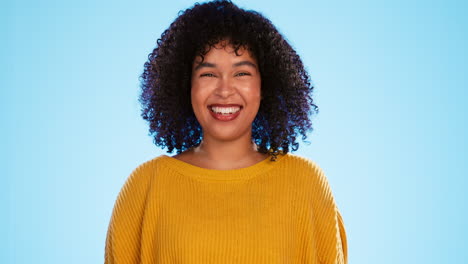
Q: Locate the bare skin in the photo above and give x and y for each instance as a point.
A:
(222, 155)
(225, 78)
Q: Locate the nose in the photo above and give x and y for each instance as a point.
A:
(225, 88)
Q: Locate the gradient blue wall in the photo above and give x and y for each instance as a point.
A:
(391, 84)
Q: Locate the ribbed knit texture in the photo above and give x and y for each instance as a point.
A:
(280, 211)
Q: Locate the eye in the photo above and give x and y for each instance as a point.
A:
(207, 75)
(243, 74)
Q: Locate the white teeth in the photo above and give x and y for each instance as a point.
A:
(225, 110)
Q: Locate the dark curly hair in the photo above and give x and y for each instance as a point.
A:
(286, 89)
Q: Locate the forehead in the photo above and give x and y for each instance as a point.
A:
(224, 49)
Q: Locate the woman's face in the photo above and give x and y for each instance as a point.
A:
(225, 92)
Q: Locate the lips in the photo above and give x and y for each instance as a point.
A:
(225, 105)
(225, 112)
(225, 109)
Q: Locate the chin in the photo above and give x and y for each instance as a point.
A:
(227, 134)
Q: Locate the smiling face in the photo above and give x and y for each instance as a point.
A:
(225, 93)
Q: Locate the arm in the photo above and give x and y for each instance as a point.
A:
(124, 231)
(331, 233)
(344, 241)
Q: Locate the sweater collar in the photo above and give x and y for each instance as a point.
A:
(222, 175)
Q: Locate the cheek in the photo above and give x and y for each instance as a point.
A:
(197, 97)
(256, 88)
(194, 99)
(254, 94)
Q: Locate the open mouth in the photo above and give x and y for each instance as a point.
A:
(225, 112)
(222, 110)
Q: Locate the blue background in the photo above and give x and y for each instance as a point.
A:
(391, 84)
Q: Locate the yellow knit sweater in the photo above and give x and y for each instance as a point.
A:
(280, 211)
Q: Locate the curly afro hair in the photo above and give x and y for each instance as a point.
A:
(286, 105)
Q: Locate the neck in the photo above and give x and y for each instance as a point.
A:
(238, 153)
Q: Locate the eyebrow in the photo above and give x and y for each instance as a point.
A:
(248, 63)
(212, 65)
(204, 64)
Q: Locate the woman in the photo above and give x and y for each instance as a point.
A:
(229, 94)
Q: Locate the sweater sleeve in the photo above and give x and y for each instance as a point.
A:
(331, 233)
(124, 230)
(344, 241)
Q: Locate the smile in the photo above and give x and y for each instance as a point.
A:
(225, 112)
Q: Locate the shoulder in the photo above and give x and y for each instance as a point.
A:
(304, 165)
(132, 196)
(310, 174)
(141, 176)
(299, 160)
(129, 210)
(143, 170)
(148, 167)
